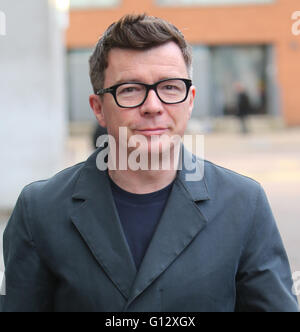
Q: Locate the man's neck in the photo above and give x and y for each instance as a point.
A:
(161, 171)
(142, 182)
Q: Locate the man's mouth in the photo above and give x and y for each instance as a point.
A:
(152, 131)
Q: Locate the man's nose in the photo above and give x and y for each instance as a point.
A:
(152, 104)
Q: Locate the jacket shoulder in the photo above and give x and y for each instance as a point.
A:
(220, 176)
(55, 186)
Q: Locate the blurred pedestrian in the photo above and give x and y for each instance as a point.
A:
(97, 132)
(244, 108)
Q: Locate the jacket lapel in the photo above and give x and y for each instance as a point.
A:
(95, 217)
(181, 221)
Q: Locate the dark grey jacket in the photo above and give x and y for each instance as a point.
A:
(217, 248)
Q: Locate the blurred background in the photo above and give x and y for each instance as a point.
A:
(246, 70)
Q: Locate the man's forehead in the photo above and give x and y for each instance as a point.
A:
(170, 50)
(128, 64)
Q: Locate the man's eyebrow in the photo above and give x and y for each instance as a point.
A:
(136, 80)
(128, 80)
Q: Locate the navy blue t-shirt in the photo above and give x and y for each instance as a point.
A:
(139, 215)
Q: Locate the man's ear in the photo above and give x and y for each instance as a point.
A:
(192, 98)
(97, 107)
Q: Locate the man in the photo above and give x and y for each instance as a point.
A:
(144, 240)
(244, 108)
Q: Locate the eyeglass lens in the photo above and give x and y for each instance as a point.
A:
(132, 94)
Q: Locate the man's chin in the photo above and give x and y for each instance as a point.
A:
(158, 153)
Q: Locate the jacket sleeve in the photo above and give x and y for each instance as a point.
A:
(264, 281)
(29, 285)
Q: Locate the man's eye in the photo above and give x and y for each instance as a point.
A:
(126, 90)
(170, 88)
(129, 90)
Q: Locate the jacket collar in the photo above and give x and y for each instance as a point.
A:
(95, 216)
(191, 174)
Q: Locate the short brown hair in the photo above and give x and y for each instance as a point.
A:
(138, 32)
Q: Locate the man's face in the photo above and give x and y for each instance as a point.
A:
(153, 117)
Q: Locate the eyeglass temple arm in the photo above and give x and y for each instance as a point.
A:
(103, 91)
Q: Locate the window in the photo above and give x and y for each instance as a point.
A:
(244, 66)
(82, 4)
(219, 70)
(79, 85)
(210, 2)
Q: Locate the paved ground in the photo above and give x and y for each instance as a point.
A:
(273, 159)
(3, 219)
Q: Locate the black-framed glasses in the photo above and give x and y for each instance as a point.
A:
(134, 94)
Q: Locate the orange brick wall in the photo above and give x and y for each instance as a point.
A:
(251, 24)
